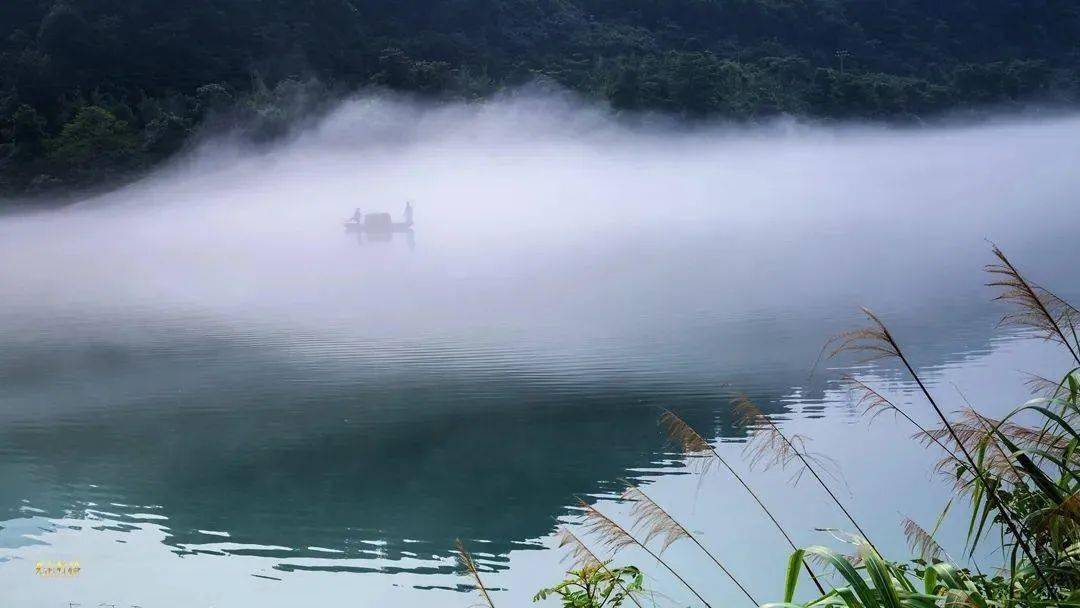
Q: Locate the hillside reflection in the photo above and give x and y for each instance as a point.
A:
(385, 463)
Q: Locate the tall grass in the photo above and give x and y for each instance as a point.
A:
(770, 445)
(698, 450)
(1018, 475)
(616, 537)
(468, 565)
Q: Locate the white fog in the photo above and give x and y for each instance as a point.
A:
(543, 196)
(340, 408)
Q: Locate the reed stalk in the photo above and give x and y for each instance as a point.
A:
(879, 342)
(616, 537)
(650, 515)
(1037, 308)
(783, 449)
(465, 560)
(694, 445)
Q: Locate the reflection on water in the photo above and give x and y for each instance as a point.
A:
(342, 453)
(325, 480)
(408, 236)
(278, 417)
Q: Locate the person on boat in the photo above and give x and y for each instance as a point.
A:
(408, 213)
(357, 215)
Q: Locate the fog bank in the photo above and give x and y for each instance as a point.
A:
(534, 205)
(206, 382)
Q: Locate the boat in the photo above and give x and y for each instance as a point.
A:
(379, 223)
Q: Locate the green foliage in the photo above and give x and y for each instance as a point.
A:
(27, 133)
(93, 137)
(877, 583)
(213, 97)
(211, 63)
(595, 586)
(164, 135)
(1020, 475)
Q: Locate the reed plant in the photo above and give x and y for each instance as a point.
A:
(1017, 474)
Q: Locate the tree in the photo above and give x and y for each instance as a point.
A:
(165, 135)
(27, 133)
(93, 140)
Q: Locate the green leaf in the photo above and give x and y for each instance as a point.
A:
(862, 594)
(930, 580)
(879, 573)
(792, 579)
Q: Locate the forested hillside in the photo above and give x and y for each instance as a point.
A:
(92, 89)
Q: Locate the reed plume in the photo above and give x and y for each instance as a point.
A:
(1058, 523)
(769, 444)
(872, 402)
(583, 557)
(982, 435)
(466, 562)
(974, 428)
(876, 404)
(872, 342)
(769, 447)
(921, 541)
(657, 522)
(1043, 386)
(878, 341)
(580, 554)
(615, 537)
(653, 519)
(612, 536)
(695, 446)
(1034, 307)
(692, 444)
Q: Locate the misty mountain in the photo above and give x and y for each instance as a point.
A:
(95, 89)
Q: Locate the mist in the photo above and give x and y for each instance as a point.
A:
(211, 344)
(542, 223)
(544, 192)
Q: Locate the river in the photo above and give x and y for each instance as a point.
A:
(210, 395)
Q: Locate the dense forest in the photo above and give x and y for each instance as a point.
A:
(91, 90)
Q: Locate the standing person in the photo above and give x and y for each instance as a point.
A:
(408, 213)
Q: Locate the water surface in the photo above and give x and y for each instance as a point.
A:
(212, 395)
